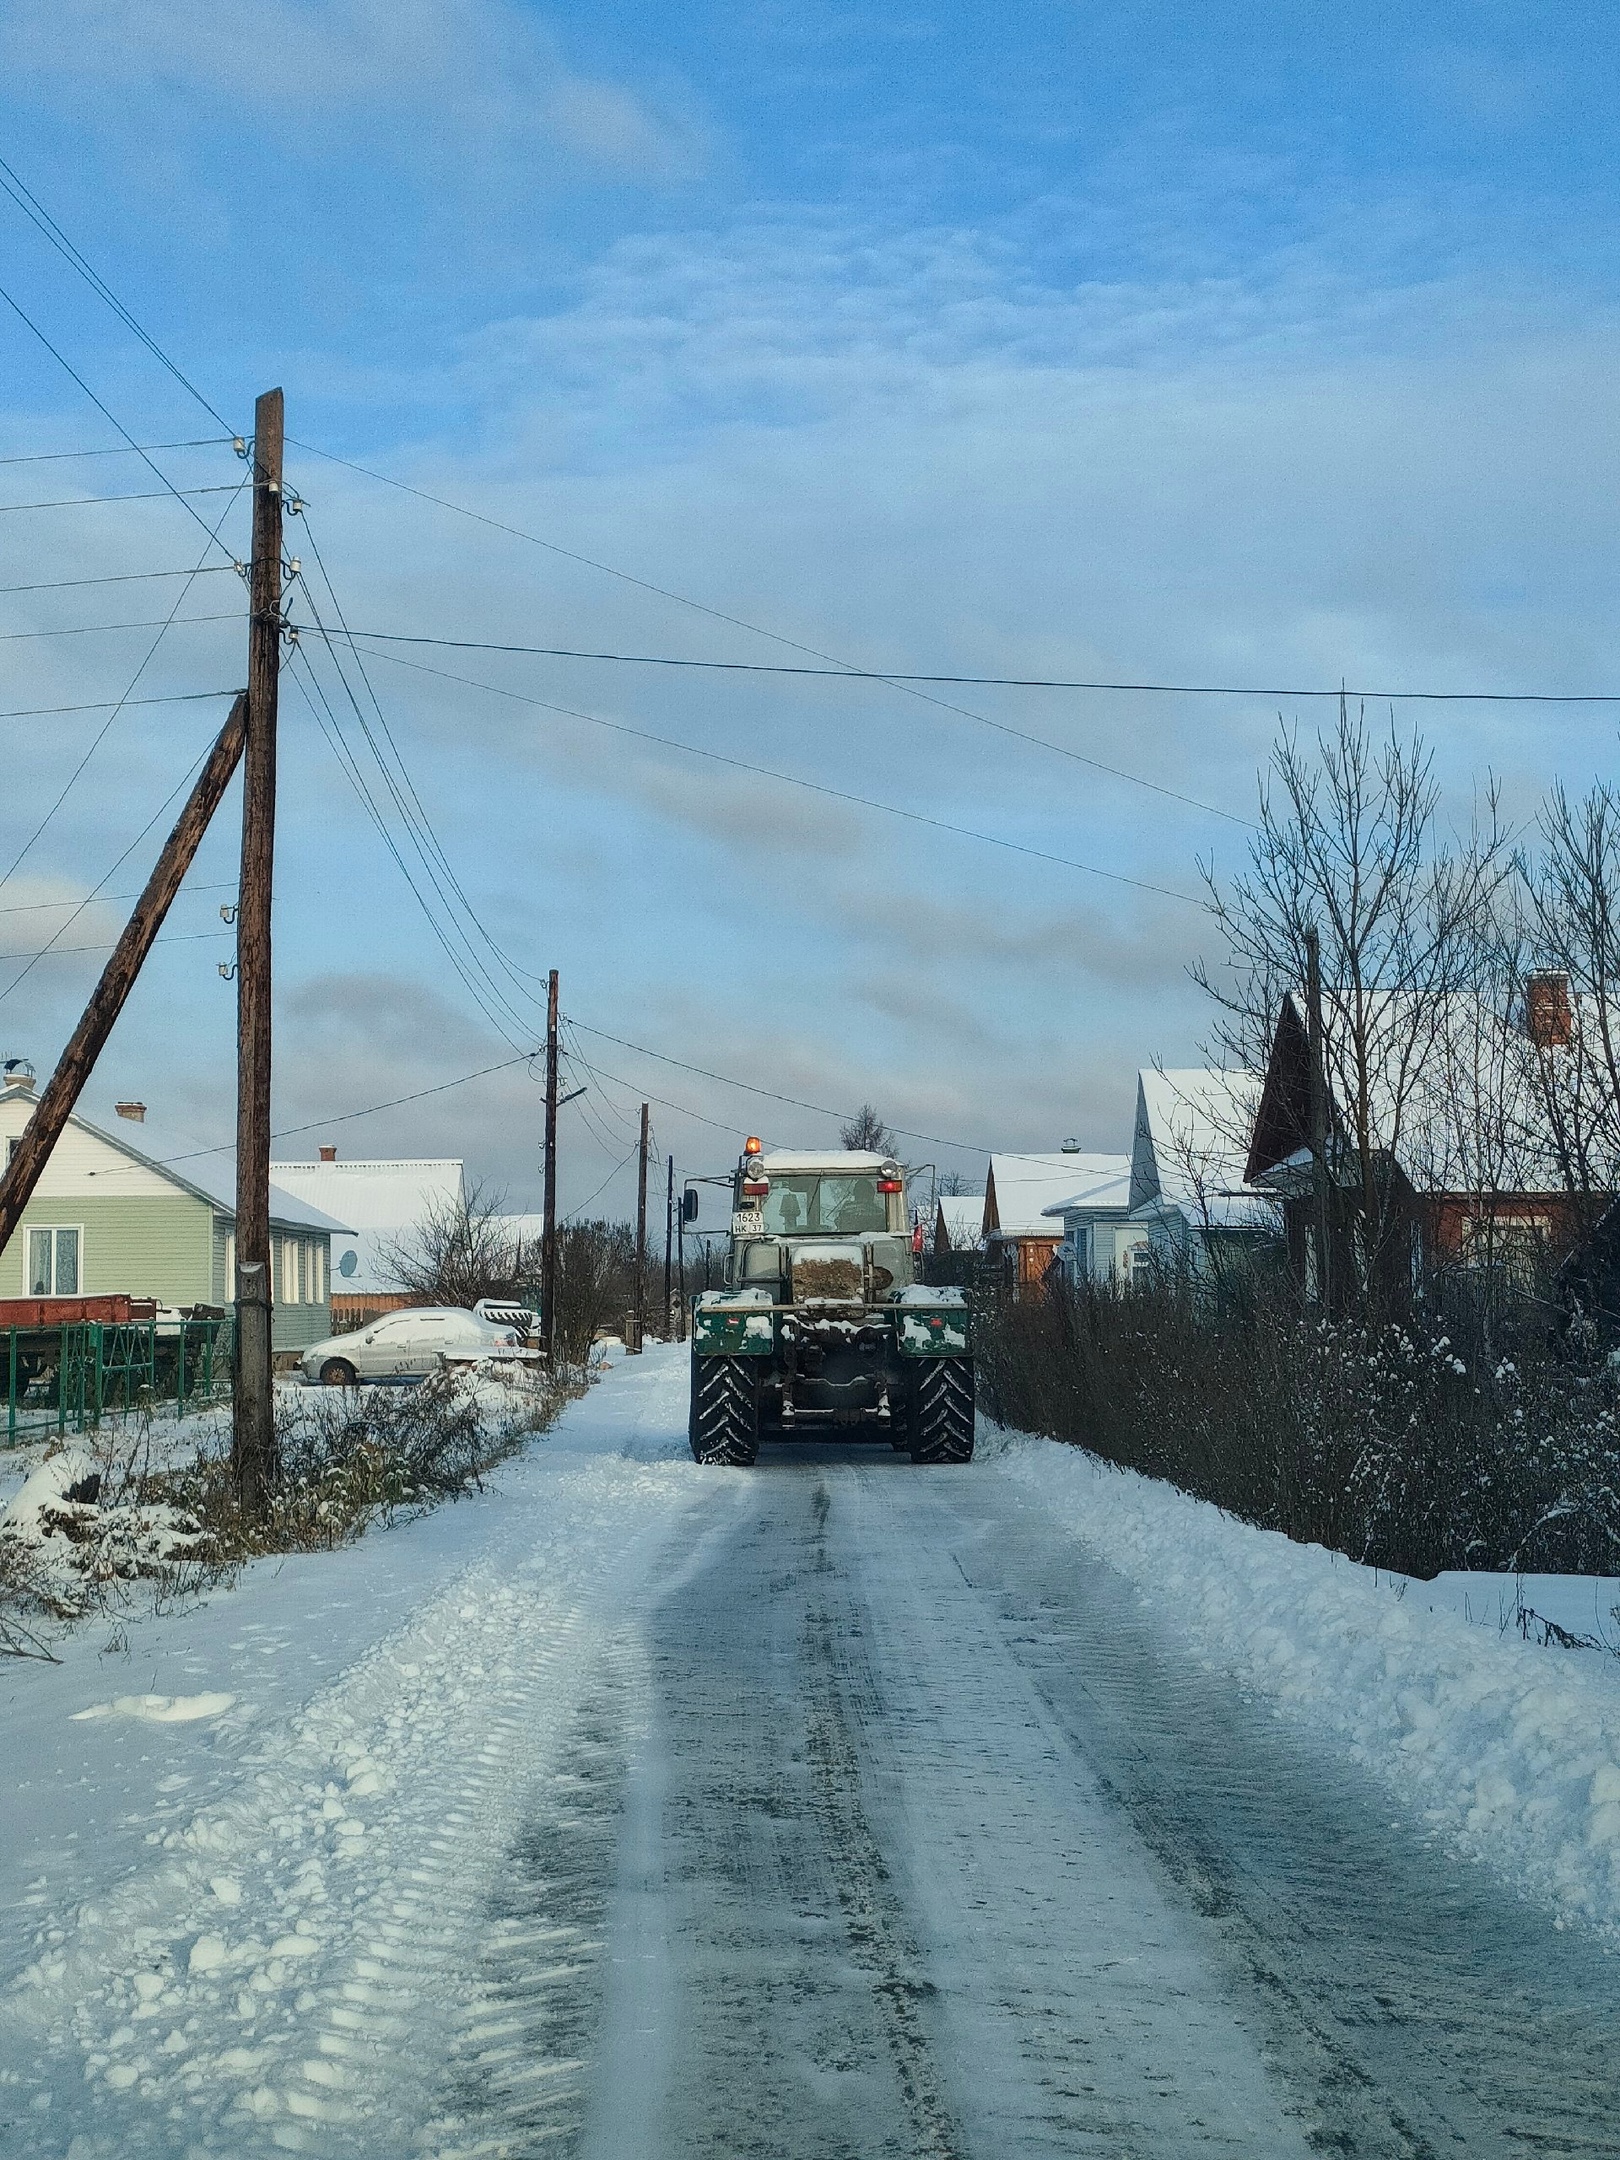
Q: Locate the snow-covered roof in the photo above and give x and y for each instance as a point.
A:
(1192, 1140)
(1456, 1091)
(1023, 1187)
(808, 1162)
(146, 1148)
(963, 1217)
(381, 1201)
(1104, 1190)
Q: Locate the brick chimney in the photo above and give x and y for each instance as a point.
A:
(134, 1111)
(1548, 1019)
(328, 1154)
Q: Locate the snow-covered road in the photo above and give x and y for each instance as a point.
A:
(644, 1812)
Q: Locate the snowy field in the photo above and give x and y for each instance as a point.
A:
(640, 1811)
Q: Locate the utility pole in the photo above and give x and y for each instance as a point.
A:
(253, 1440)
(548, 1247)
(669, 1253)
(1316, 1098)
(74, 1066)
(680, 1258)
(638, 1323)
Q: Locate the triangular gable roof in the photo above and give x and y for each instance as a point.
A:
(961, 1217)
(207, 1174)
(1192, 1131)
(1282, 1123)
(1020, 1188)
(1454, 1095)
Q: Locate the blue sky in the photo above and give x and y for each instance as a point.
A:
(1257, 345)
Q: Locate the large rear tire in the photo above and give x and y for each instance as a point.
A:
(942, 1411)
(724, 1422)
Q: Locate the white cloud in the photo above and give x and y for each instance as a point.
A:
(417, 77)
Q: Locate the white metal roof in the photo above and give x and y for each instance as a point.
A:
(963, 1215)
(1027, 1185)
(143, 1149)
(1104, 1189)
(1193, 1126)
(381, 1201)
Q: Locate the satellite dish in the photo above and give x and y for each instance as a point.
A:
(349, 1262)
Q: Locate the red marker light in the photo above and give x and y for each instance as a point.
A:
(890, 1184)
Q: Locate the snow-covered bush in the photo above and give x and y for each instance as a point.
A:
(1419, 1444)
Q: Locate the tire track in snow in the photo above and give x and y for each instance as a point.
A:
(282, 1978)
(879, 1933)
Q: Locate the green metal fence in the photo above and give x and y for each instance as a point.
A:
(65, 1379)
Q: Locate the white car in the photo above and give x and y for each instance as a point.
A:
(409, 1345)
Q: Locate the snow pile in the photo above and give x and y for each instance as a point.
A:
(285, 1969)
(1512, 1751)
(70, 1532)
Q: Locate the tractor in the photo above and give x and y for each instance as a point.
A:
(821, 1329)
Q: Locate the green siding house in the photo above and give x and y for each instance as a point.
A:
(121, 1207)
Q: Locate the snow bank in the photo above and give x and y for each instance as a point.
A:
(1510, 1750)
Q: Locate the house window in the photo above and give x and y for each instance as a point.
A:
(289, 1271)
(1515, 1243)
(53, 1262)
(230, 1267)
(317, 1273)
(11, 1148)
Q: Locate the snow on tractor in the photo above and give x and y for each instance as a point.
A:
(821, 1328)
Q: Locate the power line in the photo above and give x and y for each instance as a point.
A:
(89, 502)
(173, 697)
(33, 209)
(70, 370)
(901, 676)
(794, 1102)
(57, 457)
(347, 1117)
(815, 787)
(911, 685)
(480, 983)
(602, 1188)
(59, 952)
(423, 822)
(120, 577)
(35, 907)
(166, 622)
(838, 674)
(326, 719)
(107, 725)
(95, 893)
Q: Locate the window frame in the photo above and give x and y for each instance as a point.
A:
(53, 1231)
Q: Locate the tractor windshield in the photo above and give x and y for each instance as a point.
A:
(814, 1206)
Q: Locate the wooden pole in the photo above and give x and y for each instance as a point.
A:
(669, 1253)
(74, 1066)
(253, 1444)
(1317, 1107)
(680, 1262)
(548, 1247)
(639, 1324)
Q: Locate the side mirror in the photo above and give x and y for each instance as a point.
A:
(689, 1204)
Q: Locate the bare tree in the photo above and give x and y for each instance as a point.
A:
(1573, 899)
(1349, 845)
(596, 1264)
(460, 1250)
(867, 1132)
(954, 1182)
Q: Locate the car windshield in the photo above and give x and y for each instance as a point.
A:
(848, 1206)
